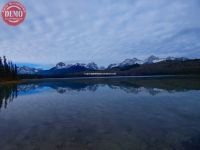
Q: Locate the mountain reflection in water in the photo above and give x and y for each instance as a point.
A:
(153, 86)
(101, 114)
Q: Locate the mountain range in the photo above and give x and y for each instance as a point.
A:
(28, 70)
(61, 68)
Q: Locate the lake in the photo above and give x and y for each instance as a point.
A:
(101, 114)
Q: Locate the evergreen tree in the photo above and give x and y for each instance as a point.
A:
(1, 68)
(8, 70)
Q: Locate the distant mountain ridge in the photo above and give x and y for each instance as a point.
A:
(62, 68)
(59, 68)
(150, 60)
(62, 65)
(27, 70)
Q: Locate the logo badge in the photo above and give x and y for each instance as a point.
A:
(13, 13)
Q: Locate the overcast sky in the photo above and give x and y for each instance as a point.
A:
(103, 31)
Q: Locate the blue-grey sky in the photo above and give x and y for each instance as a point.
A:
(103, 31)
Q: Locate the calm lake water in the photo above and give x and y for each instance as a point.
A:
(101, 114)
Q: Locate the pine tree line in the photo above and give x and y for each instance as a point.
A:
(8, 70)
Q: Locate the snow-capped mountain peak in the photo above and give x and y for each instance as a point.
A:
(171, 58)
(60, 65)
(92, 66)
(80, 64)
(77, 67)
(182, 59)
(153, 59)
(27, 70)
(113, 66)
(129, 62)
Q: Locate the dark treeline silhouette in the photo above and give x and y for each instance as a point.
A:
(168, 67)
(7, 94)
(8, 70)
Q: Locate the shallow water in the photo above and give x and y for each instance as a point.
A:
(101, 114)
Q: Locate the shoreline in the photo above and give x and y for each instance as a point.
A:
(110, 77)
(11, 82)
(96, 77)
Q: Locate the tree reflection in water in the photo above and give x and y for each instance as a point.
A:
(7, 94)
(153, 86)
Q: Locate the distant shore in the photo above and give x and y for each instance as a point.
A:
(96, 77)
(10, 82)
(111, 77)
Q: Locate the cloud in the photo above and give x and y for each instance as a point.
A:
(103, 31)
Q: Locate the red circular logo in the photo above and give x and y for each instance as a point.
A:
(13, 13)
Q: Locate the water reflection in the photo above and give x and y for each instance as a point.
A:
(102, 114)
(153, 86)
(129, 85)
(7, 94)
